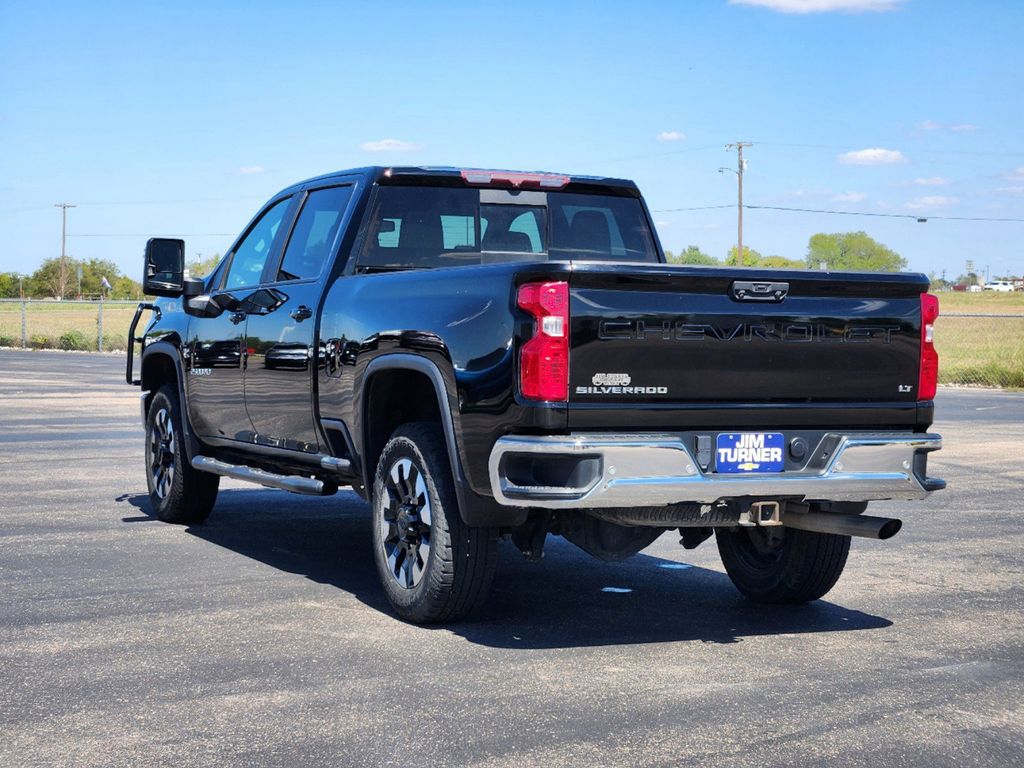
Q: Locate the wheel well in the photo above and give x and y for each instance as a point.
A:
(157, 370)
(394, 397)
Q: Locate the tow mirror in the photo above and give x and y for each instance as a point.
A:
(164, 273)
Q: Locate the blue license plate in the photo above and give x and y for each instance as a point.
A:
(741, 452)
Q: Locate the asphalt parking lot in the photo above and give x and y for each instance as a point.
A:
(262, 638)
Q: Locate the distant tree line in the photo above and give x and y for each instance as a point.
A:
(840, 251)
(50, 282)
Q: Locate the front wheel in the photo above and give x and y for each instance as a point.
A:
(782, 565)
(432, 565)
(177, 492)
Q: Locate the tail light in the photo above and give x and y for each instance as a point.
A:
(929, 377)
(544, 360)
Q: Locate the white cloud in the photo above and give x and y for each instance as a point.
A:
(660, 224)
(671, 136)
(822, 6)
(931, 181)
(932, 201)
(389, 145)
(873, 156)
(1015, 189)
(1017, 174)
(931, 125)
(249, 170)
(850, 197)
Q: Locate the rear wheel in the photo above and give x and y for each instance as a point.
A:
(782, 565)
(433, 566)
(177, 492)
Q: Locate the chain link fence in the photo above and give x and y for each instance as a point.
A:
(985, 350)
(81, 325)
(974, 349)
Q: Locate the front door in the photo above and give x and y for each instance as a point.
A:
(217, 355)
(282, 344)
(215, 389)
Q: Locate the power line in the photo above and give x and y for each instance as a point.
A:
(918, 150)
(843, 213)
(918, 217)
(694, 208)
(113, 203)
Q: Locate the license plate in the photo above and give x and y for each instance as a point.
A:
(740, 452)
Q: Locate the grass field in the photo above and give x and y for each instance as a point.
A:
(987, 301)
(66, 325)
(982, 351)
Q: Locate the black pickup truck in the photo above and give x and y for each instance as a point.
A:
(488, 354)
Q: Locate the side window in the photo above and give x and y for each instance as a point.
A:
(314, 233)
(251, 255)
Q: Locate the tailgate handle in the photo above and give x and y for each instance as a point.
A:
(757, 290)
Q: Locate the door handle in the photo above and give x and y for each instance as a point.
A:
(300, 313)
(237, 317)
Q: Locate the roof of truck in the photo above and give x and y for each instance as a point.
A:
(475, 177)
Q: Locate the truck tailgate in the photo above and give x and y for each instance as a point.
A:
(676, 335)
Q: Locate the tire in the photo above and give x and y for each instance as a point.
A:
(782, 565)
(433, 567)
(177, 492)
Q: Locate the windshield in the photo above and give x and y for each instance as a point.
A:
(423, 227)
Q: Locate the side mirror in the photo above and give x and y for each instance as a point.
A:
(203, 306)
(164, 273)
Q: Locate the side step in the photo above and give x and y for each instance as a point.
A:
(292, 483)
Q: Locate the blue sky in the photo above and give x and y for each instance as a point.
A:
(182, 118)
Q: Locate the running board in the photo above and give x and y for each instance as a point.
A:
(293, 483)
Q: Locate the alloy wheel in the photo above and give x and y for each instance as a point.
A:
(404, 516)
(161, 453)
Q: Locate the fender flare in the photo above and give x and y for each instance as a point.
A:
(420, 364)
(474, 509)
(168, 350)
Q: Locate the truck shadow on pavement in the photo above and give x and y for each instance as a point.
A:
(568, 599)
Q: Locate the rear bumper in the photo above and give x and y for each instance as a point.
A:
(649, 470)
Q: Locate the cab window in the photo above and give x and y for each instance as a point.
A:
(314, 233)
(251, 254)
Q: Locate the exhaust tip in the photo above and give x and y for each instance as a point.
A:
(890, 529)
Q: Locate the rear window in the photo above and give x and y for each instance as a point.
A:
(423, 227)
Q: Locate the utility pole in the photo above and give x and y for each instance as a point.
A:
(740, 167)
(62, 286)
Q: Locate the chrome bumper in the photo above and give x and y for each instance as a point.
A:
(655, 470)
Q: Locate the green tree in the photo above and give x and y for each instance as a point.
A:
(93, 272)
(9, 285)
(46, 281)
(781, 262)
(203, 267)
(692, 255)
(751, 258)
(852, 251)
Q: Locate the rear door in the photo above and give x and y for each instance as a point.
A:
(216, 399)
(282, 341)
(666, 336)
